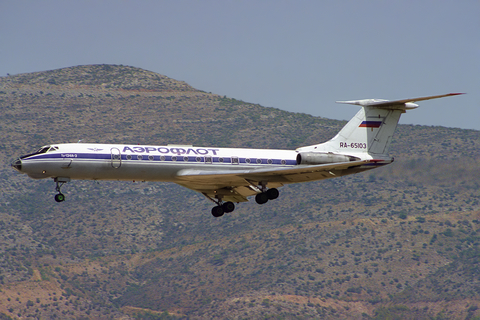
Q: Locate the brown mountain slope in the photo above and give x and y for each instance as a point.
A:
(378, 244)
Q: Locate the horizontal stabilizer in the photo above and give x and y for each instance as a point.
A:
(405, 104)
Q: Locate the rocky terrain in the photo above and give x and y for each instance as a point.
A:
(398, 242)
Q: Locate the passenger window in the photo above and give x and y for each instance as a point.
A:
(129, 157)
(259, 161)
(139, 157)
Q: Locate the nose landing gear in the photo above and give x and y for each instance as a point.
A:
(59, 197)
(60, 181)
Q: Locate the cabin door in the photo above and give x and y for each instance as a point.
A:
(116, 158)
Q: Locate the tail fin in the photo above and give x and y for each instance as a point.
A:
(371, 130)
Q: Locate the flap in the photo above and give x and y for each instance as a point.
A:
(237, 185)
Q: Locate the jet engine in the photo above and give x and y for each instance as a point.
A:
(322, 158)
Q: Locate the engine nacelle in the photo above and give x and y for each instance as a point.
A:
(322, 158)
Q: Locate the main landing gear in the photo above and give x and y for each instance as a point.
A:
(260, 198)
(270, 194)
(222, 207)
(60, 181)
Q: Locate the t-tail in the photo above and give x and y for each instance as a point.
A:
(368, 134)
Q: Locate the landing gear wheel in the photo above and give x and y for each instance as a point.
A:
(217, 211)
(228, 207)
(272, 194)
(59, 197)
(261, 198)
(60, 181)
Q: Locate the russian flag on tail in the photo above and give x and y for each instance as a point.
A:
(370, 124)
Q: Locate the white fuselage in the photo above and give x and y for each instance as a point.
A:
(145, 163)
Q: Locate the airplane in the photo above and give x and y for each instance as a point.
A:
(229, 175)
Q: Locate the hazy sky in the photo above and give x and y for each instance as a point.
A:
(298, 56)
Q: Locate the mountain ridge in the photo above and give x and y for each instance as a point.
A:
(100, 76)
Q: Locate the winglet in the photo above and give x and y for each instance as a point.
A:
(405, 104)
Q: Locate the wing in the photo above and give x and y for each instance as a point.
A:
(237, 185)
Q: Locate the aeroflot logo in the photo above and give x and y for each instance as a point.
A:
(174, 150)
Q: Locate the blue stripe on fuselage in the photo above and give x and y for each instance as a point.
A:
(157, 158)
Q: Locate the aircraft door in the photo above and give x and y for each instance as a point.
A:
(116, 158)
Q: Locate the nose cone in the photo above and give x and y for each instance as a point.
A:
(17, 164)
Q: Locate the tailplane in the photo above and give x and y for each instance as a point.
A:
(370, 132)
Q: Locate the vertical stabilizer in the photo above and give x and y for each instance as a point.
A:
(371, 130)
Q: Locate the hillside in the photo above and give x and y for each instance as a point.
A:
(401, 241)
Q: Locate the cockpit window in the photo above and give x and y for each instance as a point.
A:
(46, 149)
(43, 150)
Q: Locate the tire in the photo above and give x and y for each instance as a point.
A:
(217, 211)
(272, 194)
(59, 197)
(261, 198)
(228, 207)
